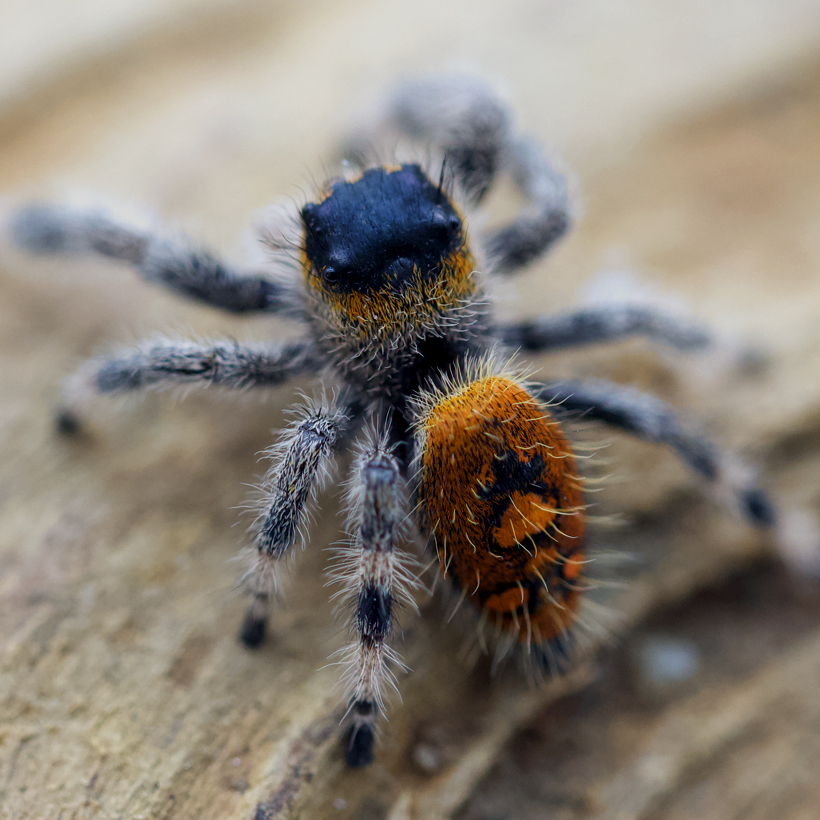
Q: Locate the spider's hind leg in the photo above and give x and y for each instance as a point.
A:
(605, 323)
(652, 420)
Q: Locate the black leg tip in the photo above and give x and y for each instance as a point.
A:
(359, 746)
(759, 508)
(253, 631)
(67, 423)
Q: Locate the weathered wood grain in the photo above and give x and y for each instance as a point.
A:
(739, 739)
(124, 693)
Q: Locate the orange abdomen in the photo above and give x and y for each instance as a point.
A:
(502, 500)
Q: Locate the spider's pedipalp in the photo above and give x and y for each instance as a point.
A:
(300, 466)
(168, 362)
(653, 420)
(166, 260)
(606, 323)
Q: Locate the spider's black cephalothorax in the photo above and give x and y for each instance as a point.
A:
(379, 230)
(392, 296)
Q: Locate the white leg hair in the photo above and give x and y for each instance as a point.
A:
(650, 419)
(605, 323)
(374, 577)
(161, 258)
(300, 462)
(167, 362)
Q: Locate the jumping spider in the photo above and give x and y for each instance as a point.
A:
(393, 298)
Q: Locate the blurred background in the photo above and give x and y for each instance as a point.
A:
(692, 132)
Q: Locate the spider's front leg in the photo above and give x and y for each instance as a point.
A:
(170, 362)
(373, 577)
(300, 465)
(162, 258)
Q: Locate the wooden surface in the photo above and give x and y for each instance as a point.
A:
(693, 134)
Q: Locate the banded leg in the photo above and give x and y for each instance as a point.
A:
(605, 324)
(465, 117)
(372, 575)
(180, 362)
(300, 466)
(169, 261)
(652, 420)
(544, 221)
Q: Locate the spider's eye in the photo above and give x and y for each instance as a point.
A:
(445, 229)
(453, 226)
(336, 270)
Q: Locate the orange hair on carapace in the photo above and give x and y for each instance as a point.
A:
(384, 313)
(502, 500)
